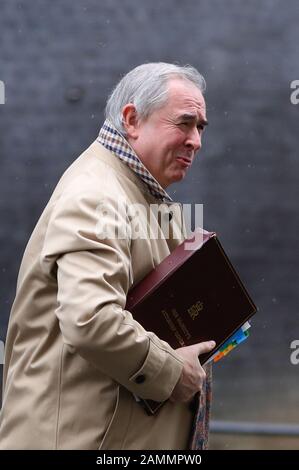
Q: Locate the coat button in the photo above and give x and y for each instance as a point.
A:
(140, 379)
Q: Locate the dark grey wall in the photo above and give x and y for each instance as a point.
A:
(59, 60)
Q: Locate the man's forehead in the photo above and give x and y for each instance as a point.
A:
(186, 98)
(187, 110)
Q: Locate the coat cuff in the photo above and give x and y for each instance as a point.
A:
(158, 375)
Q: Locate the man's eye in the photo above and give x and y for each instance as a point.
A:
(200, 127)
(184, 124)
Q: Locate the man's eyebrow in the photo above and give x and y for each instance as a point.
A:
(193, 117)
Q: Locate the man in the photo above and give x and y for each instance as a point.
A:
(75, 358)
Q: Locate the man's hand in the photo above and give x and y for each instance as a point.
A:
(193, 375)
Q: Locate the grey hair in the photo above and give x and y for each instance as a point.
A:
(146, 87)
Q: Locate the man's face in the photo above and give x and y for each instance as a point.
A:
(167, 140)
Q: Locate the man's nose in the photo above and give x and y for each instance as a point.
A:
(194, 139)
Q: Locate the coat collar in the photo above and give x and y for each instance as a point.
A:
(116, 143)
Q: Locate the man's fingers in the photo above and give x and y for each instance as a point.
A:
(205, 347)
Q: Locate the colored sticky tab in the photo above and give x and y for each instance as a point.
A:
(238, 337)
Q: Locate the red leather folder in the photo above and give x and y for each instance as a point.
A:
(194, 295)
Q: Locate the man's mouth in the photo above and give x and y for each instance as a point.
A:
(184, 161)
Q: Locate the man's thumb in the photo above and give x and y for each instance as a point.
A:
(205, 347)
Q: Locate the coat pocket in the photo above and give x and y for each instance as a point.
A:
(116, 432)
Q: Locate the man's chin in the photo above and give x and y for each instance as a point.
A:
(175, 178)
(179, 175)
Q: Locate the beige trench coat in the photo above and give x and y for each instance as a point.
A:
(74, 356)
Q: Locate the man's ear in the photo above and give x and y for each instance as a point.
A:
(130, 120)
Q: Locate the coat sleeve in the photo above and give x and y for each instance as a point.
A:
(92, 270)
